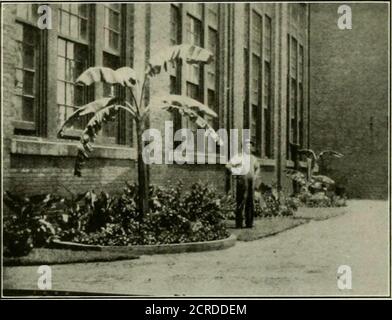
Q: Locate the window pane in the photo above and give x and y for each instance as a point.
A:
(175, 21)
(211, 67)
(61, 68)
(60, 92)
(28, 57)
(267, 84)
(79, 96)
(74, 26)
(19, 55)
(28, 83)
(74, 9)
(267, 38)
(113, 40)
(69, 71)
(64, 23)
(18, 81)
(73, 21)
(83, 29)
(255, 79)
(70, 50)
(28, 109)
(293, 58)
(66, 6)
(61, 47)
(83, 10)
(114, 20)
(301, 63)
(256, 33)
(17, 105)
(69, 94)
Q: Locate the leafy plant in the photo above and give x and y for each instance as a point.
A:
(315, 159)
(104, 110)
(318, 191)
(270, 203)
(27, 225)
(175, 217)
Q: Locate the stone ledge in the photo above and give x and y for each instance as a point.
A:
(154, 249)
(44, 147)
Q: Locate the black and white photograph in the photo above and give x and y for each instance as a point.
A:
(195, 150)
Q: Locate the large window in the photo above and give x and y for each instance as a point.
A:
(267, 126)
(73, 20)
(201, 28)
(48, 62)
(27, 70)
(112, 59)
(295, 78)
(26, 74)
(71, 62)
(112, 27)
(193, 72)
(256, 74)
(212, 45)
(258, 109)
(175, 71)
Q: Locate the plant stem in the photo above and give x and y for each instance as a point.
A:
(143, 183)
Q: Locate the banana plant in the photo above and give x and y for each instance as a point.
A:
(310, 181)
(106, 109)
(315, 159)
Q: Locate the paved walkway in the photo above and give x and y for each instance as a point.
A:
(301, 261)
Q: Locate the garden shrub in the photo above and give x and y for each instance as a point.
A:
(175, 216)
(318, 191)
(267, 203)
(27, 225)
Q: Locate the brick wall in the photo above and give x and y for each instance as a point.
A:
(349, 95)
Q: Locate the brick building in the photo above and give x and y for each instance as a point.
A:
(258, 80)
(349, 95)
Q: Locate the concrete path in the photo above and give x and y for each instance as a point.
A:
(301, 261)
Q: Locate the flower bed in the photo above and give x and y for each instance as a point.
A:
(100, 219)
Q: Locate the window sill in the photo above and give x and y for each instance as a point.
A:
(42, 147)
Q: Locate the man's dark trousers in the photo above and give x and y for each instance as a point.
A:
(244, 199)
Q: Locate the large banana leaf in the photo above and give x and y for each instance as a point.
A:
(184, 52)
(89, 108)
(330, 153)
(85, 147)
(190, 108)
(124, 76)
(176, 101)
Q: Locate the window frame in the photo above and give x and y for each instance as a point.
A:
(186, 11)
(297, 34)
(37, 127)
(265, 143)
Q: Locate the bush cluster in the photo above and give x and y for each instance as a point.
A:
(175, 216)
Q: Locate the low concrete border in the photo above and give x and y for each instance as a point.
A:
(154, 249)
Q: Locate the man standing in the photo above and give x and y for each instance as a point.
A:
(245, 168)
